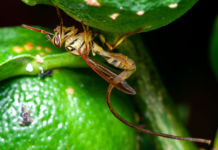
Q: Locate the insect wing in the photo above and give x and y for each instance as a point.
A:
(109, 76)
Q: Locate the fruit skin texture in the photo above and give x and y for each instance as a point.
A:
(69, 111)
(122, 16)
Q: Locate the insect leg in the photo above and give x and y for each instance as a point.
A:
(116, 38)
(119, 41)
(87, 28)
(48, 37)
(146, 130)
(72, 32)
(61, 20)
(126, 73)
(85, 36)
(103, 39)
(94, 35)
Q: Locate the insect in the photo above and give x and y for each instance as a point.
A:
(47, 73)
(25, 114)
(82, 44)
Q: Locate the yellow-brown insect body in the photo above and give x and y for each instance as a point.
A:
(118, 60)
(76, 44)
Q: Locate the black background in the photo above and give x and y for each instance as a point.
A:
(180, 51)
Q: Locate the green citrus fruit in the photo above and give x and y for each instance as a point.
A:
(122, 16)
(69, 111)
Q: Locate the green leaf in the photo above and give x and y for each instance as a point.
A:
(28, 65)
(122, 16)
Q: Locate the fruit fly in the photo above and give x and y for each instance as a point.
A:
(82, 44)
(25, 114)
(47, 73)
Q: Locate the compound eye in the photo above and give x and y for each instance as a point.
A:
(57, 40)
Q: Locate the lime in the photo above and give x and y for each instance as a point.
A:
(69, 111)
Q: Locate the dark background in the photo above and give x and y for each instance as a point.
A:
(180, 51)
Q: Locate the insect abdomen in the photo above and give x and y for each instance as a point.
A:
(119, 60)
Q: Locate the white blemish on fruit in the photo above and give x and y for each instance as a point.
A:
(173, 5)
(60, 125)
(92, 2)
(10, 57)
(140, 12)
(29, 67)
(39, 59)
(114, 16)
(41, 69)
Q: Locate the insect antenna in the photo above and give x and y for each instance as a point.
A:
(35, 29)
(61, 20)
(146, 130)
